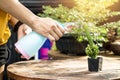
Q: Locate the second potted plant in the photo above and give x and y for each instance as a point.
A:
(92, 50)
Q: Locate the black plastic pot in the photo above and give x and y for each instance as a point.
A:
(115, 47)
(68, 44)
(95, 65)
(112, 46)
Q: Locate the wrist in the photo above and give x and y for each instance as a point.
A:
(17, 25)
(35, 23)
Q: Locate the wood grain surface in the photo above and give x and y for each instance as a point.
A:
(67, 69)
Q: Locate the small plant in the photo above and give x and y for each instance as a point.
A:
(92, 49)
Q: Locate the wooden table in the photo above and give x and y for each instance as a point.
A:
(67, 69)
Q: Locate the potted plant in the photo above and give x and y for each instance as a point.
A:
(86, 11)
(91, 16)
(92, 50)
(113, 34)
(68, 44)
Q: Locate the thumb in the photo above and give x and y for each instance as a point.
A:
(21, 32)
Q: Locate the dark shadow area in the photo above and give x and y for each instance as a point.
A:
(36, 5)
(14, 56)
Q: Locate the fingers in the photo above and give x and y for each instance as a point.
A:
(48, 28)
(17, 50)
(51, 38)
(55, 34)
(19, 53)
(22, 57)
(27, 29)
(21, 32)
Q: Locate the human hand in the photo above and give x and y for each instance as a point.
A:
(44, 26)
(22, 31)
(48, 28)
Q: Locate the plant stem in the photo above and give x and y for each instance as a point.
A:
(88, 35)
